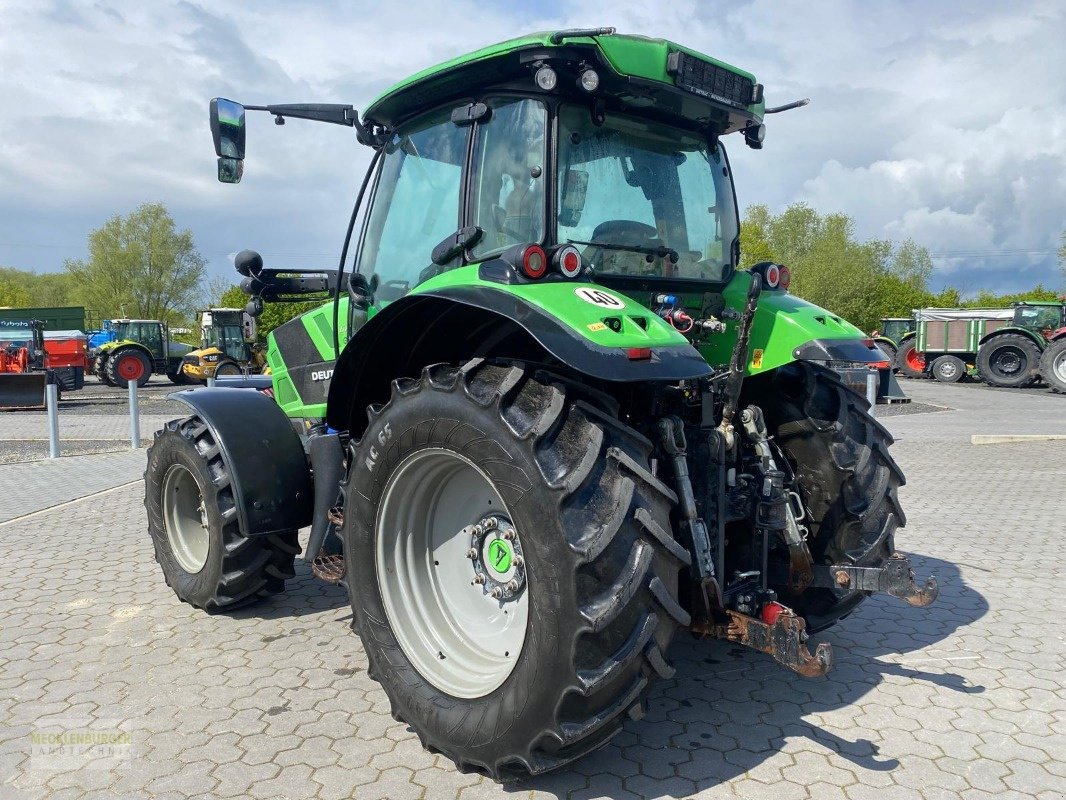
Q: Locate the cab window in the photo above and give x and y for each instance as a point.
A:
(507, 191)
(416, 204)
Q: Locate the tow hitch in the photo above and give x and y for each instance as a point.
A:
(895, 578)
(780, 633)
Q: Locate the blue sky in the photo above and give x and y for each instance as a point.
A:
(940, 122)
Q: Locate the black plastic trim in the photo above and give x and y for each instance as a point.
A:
(853, 350)
(265, 458)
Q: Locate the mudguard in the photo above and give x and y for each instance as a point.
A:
(459, 322)
(263, 454)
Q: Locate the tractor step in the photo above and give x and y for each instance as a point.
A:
(896, 578)
(328, 568)
(780, 633)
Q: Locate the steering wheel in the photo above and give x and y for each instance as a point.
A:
(624, 231)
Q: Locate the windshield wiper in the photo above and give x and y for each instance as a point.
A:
(658, 251)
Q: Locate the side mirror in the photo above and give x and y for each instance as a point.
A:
(575, 187)
(227, 130)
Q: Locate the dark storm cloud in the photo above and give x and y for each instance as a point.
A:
(941, 123)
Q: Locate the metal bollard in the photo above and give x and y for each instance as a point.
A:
(873, 377)
(51, 398)
(211, 382)
(135, 418)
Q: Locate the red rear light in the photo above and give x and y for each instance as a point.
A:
(786, 277)
(869, 343)
(639, 353)
(568, 261)
(773, 276)
(880, 364)
(534, 262)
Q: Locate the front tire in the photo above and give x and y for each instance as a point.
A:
(1009, 360)
(847, 479)
(600, 576)
(192, 520)
(227, 369)
(1053, 365)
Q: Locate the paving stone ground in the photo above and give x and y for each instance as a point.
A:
(965, 699)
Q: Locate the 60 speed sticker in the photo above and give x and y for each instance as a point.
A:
(600, 298)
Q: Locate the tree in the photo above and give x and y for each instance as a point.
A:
(140, 265)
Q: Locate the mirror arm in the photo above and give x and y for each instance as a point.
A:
(334, 113)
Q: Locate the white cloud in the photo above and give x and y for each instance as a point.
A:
(941, 123)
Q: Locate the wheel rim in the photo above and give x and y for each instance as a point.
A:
(1008, 361)
(130, 368)
(451, 573)
(1059, 366)
(185, 519)
(915, 360)
(948, 370)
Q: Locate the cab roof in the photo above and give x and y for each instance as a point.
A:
(654, 75)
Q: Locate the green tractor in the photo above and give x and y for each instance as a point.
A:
(545, 422)
(895, 335)
(1013, 356)
(140, 348)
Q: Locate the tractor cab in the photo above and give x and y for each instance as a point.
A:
(1042, 318)
(227, 337)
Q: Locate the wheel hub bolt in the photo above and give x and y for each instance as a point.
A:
(490, 523)
(508, 535)
(496, 592)
(471, 553)
(512, 586)
(479, 579)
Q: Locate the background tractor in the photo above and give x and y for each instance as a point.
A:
(29, 362)
(137, 349)
(545, 422)
(1011, 355)
(227, 346)
(893, 334)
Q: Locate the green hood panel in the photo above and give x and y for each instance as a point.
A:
(783, 322)
(592, 311)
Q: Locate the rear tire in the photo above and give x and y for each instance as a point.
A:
(100, 368)
(1010, 360)
(128, 365)
(177, 378)
(910, 362)
(848, 480)
(948, 369)
(192, 520)
(227, 369)
(1053, 365)
(601, 567)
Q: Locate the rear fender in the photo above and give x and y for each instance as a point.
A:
(452, 324)
(786, 329)
(263, 455)
(1039, 341)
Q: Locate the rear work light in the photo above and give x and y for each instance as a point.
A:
(786, 277)
(773, 276)
(534, 262)
(567, 261)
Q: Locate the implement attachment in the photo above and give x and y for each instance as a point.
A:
(895, 578)
(783, 635)
(22, 389)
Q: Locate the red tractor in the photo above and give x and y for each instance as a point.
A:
(30, 360)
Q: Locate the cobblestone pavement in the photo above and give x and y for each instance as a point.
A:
(965, 699)
(28, 488)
